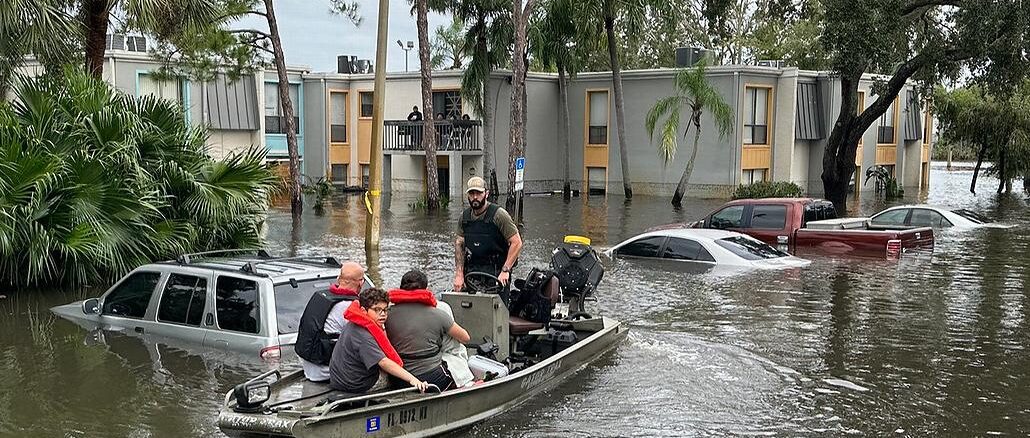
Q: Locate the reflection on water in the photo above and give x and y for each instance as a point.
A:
(935, 345)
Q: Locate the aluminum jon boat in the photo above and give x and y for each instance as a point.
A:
(531, 357)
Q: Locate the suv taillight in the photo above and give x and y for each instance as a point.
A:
(893, 248)
(272, 352)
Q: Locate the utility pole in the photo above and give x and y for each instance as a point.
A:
(373, 196)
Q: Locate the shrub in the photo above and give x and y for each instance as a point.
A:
(94, 182)
(765, 189)
(422, 203)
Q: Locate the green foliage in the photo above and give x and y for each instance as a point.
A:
(694, 92)
(997, 124)
(767, 189)
(27, 27)
(422, 203)
(553, 36)
(94, 182)
(885, 182)
(448, 46)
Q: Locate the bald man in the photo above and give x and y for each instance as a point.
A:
(322, 321)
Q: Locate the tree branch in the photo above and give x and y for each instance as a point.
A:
(916, 5)
(263, 35)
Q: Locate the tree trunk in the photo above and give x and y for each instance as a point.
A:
(97, 14)
(488, 113)
(976, 170)
(949, 156)
(1026, 183)
(517, 130)
(842, 145)
(563, 131)
(429, 130)
(296, 201)
(620, 116)
(681, 188)
(1002, 175)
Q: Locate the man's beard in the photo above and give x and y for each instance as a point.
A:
(475, 203)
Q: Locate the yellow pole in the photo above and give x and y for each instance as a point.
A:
(375, 171)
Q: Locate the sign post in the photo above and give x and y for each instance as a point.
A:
(520, 170)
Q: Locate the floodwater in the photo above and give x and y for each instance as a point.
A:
(934, 345)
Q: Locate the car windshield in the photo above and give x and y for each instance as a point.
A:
(972, 216)
(290, 301)
(749, 249)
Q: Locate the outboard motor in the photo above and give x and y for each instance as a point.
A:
(579, 271)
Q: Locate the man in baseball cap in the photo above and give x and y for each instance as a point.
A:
(488, 240)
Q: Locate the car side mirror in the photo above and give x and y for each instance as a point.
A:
(91, 306)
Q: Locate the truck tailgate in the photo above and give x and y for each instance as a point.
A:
(875, 243)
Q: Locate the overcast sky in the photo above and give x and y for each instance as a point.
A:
(312, 36)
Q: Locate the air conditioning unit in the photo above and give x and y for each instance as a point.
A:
(364, 66)
(688, 56)
(136, 44)
(343, 65)
(775, 63)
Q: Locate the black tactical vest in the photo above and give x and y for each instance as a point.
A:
(484, 242)
(313, 343)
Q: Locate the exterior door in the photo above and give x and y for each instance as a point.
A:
(767, 222)
(182, 304)
(237, 318)
(129, 304)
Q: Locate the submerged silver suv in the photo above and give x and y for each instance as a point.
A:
(248, 303)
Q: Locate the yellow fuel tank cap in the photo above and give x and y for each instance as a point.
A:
(577, 239)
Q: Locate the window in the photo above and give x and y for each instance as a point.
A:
(885, 132)
(645, 247)
(976, 218)
(769, 217)
(890, 218)
(132, 296)
(749, 249)
(274, 120)
(339, 173)
(183, 300)
(685, 249)
(818, 211)
(290, 301)
(170, 89)
(728, 217)
(338, 117)
(597, 183)
(236, 305)
(598, 117)
(922, 217)
(751, 176)
(447, 103)
(366, 103)
(364, 176)
(756, 115)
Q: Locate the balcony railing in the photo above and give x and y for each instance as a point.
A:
(451, 135)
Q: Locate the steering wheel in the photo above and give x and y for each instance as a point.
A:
(481, 282)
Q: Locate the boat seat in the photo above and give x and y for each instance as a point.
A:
(518, 326)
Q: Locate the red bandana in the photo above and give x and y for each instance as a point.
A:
(357, 315)
(335, 289)
(420, 296)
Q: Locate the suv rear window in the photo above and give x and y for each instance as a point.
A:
(749, 249)
(818, 211)
(290, 301)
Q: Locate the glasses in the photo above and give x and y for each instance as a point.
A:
(380, 310)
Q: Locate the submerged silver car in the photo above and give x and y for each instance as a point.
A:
(249, 304)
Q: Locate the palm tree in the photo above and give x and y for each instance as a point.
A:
(694, 92)
(27, 27)
(517, 133)
(633, 15)
(449, 45)
(488, 41)
(429, 130)
(553, 38)
(94, 182)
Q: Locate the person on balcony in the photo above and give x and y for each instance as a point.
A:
(414, 132)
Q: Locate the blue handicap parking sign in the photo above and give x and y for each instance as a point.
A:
(372, 425)
(520, 163)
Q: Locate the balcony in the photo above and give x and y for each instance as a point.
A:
(451, 135)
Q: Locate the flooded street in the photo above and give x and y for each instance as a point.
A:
(935, 345)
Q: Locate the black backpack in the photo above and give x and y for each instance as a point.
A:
(532, 303)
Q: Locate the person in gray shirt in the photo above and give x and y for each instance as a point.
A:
(418, 330)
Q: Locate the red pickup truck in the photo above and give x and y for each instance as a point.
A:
(800, 224)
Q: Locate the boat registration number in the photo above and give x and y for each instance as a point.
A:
(406, 415)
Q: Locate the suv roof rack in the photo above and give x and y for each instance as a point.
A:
(251, 268)
(186, 259)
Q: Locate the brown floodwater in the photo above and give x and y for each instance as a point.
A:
(933, 345)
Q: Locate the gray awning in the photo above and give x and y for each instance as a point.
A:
(913, 117)
(232, 105)
(809, 121)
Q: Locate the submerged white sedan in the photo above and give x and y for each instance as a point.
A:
(705, 246)
(932, 216)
